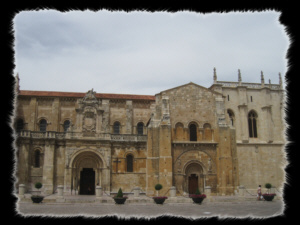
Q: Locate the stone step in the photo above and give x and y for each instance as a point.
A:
(143, 199)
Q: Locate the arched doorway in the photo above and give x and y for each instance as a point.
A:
(194, 178)
(86, 173)
(87, 181)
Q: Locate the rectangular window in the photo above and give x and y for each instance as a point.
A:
(228, 97)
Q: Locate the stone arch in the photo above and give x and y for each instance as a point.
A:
(140, 128)
(37, 157)
(189, 163)
(42, 123)
(194, 172)
(129, 162)
(179, 131)
(130, 152)
(253, 125)
(116, 127)
(87, 166)
(66, 123)
(193, 131)
(176, 123)
(230, 115)
(193, 122)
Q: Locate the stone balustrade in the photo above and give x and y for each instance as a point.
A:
(124, 137)
(72, 135)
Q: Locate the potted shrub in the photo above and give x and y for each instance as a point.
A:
(37, 198)
(197, 197)
(119, 198)
(159, 199)
(268, 196)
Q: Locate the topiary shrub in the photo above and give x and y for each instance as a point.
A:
(120, 194)
(37, 198)
(119, 198)
(268, 186)
(38, 185)
(197, 192)
(158, 187)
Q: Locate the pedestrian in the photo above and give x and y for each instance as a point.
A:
(259, 195)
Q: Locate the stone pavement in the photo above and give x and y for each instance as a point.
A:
(90, 206)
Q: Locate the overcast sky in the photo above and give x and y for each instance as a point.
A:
(145, 53)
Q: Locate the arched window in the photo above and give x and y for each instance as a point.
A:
(67, 124)
(43, 125)
(116, 128)
(129, 162)
(252, 123)
(231, 117)
(193, 132)
(19, 125)
(37, 161)
(140, 128)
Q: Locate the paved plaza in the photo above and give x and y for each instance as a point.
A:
(230, 209)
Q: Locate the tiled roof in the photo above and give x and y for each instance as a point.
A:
(81, 95)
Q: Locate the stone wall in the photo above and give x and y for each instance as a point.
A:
(222, 156)
(260, 164)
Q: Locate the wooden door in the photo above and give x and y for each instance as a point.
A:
(193, 183)
(87, 181)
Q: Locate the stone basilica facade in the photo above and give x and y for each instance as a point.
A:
(189, 137)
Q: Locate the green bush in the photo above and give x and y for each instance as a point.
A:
(38, 185)
(198, 192)
(120, 193)
(158, 187)
(268, 185)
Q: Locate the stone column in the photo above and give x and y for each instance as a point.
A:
(23, 172)
(207, 191)
(60, 197)
(105, 117)
(136, 192)
(244, 123)
(60, 189)
(48, 168)
(99, 192)
(173, 192)
(241, 191)
(129, 110)
(21, 190)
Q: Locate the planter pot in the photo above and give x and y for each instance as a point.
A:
(269, 197)
(120, 200)
(159, 200)
(37, 199)
(197, 200)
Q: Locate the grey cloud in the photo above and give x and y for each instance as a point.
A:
(139, 52)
